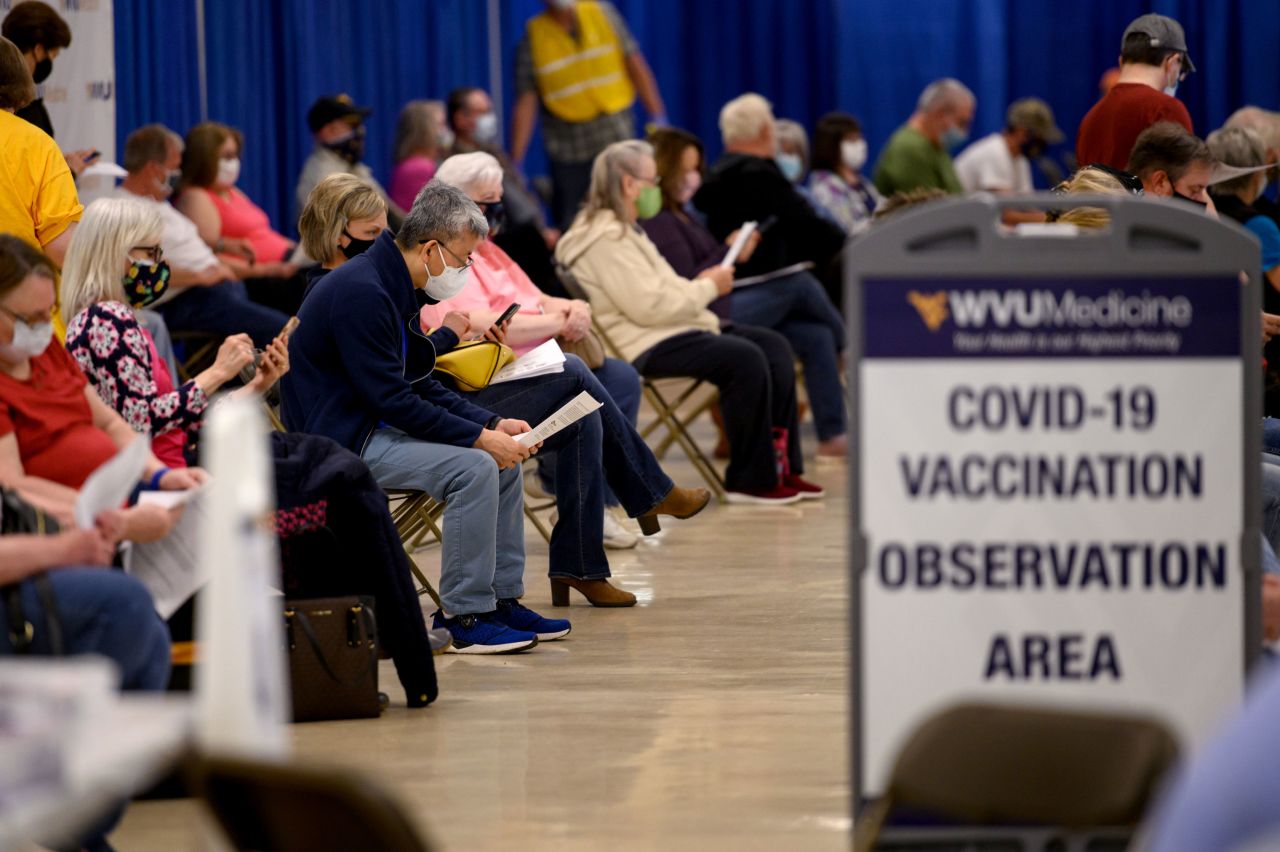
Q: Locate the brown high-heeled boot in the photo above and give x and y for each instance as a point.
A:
(679, 503)
(597, 592)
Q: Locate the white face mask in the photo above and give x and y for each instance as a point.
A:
(487, 127)
(448, 283)
(29, 341)
(853, 153)
(229, 171)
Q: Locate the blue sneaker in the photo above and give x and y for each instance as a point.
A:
(517, 616)
(483, 633)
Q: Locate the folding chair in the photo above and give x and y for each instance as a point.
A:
(675, 402)
(199, 349)
(1021, 777)
(277, 807)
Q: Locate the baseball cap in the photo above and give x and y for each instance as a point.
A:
(333, 107)
(1162, 32)
(1035, 115)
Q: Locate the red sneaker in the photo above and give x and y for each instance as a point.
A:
(808, 490)
(779, 495)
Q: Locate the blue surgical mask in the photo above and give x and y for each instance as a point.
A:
(792, 166)
(486, 128)
(953, 137)
(1171, 91)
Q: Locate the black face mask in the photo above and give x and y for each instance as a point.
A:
(1033, 149)
(351, 150)
(495, 213)
(42, 70)
(1199, 204)
(356, 246)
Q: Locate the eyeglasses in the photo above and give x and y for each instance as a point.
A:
(1183, 73)
(155, 252)
(44, 316)
(466, 262)
(656, 180)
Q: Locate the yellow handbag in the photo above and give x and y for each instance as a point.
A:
(472, 364)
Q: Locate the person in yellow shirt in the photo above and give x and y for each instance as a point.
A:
(578, 67)
(38, 200)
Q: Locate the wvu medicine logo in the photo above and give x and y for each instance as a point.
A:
(932, 307)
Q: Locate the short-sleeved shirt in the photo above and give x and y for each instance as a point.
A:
(1268, 234)
(911, 161)
(1110, 128)
(38, 198)
(579, 142)
(51, 418)
(987, 166)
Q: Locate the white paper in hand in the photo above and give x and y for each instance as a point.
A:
(568, 414)
(744, 234)
(109, 486)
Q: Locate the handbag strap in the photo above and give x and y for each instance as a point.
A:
(353, 637)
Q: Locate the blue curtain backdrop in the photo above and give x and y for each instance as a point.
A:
(268, 59)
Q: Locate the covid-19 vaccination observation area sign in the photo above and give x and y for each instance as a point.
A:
(1055, 489)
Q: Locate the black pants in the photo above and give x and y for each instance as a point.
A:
(569, 185)
(754, 370)
(222, 309)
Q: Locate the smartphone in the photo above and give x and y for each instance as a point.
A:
(768, 223)
(93, 155)
(289, 328)
(511, 311)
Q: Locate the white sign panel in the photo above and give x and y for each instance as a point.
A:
(1052, 500)
(80, 93)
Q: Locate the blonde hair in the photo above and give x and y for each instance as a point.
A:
(1089, 181)
(98, 253)
(620, 158)
(472, 173)
(745, 118)
(335, 202)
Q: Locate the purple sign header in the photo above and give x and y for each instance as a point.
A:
(1052, 318)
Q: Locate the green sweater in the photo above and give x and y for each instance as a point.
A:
(910, 161)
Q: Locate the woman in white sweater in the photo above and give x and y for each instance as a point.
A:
(661, 323)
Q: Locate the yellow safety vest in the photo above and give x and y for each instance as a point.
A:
(579, 80)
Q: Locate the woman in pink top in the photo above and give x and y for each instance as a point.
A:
(417, 149)
(228, 220)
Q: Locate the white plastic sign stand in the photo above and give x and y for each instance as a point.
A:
(242, 698)
(1055, 487)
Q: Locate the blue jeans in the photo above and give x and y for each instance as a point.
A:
(105, 612)
(797, 307)
(1271, 435)
(602, 446)
(222, 309)
(622, 382)
(483, 517)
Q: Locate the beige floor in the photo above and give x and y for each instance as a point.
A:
(712, 716)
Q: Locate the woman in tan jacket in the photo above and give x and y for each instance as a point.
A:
(661, 323)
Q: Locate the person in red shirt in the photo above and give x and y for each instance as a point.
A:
(1153, 60)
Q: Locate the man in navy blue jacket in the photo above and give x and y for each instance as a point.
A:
(360, 378)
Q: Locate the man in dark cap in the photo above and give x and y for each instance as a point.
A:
(337, 124)
(1153, 60)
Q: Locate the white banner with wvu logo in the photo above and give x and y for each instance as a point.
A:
(80, 94)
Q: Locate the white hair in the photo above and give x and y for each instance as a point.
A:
(477, 174)
(620, 158)
(1264, 122)
(745, 118)
(944, 94)
(99, 251)
(793, 132)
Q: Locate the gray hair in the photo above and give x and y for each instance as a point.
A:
(620, 158)
(1236, 146)
(744, 118)
(944, 94)
(442, 213)
(149, 144)
(417, 129)
(794, 133)
(1264, 122)
(472, 173)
